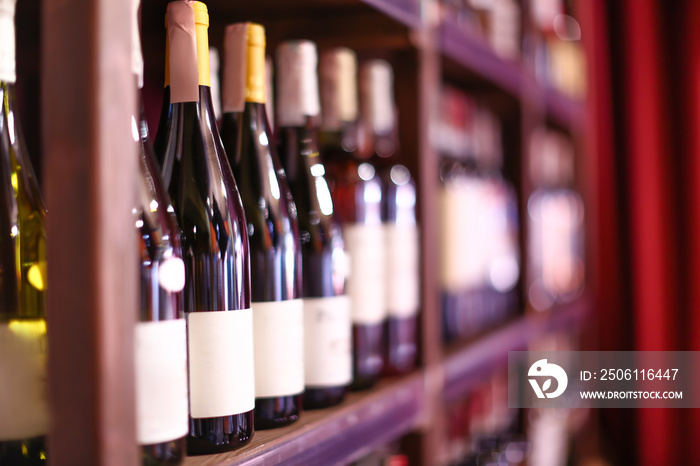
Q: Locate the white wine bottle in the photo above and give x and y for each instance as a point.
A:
(214, 241)
(161, 339)
(24, 413)
(273, 234)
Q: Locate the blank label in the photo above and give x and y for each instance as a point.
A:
(279, 348)
(327, 347)
(23, 406)
(161, 381)
(220, 349)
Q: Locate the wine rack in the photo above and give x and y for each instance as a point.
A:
(87, 97)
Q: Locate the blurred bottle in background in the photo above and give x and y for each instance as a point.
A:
(357, 196)
(479, 247)
(555, 211)
(379, 144)
(498, 222)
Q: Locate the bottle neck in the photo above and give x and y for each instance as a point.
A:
(342, 140)
(301, 147)
(307, 135)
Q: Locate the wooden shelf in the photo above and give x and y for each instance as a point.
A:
(474, 361)
(475, 56)
(468, 57)
(364, 421)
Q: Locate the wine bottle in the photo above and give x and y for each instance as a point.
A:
(401, 249)
(23, 405)
(161, 339)
(214, 242)
(499, 223)
(556, 269)
(357, 194)
(273, 236)
(327, 327)
(461, 242)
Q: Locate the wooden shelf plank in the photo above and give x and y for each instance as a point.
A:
(472, 362)
(474, 54)
(364, 421)
(475, 57)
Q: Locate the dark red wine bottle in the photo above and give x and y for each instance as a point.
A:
(401, 253)
(357, 195)
(327, 361)
(275, 254)
(209, 211)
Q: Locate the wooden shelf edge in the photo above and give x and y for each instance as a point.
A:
(365, 420)
(406, 12)
(465, 366)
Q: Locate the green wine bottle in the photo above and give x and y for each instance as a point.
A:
(23, 405)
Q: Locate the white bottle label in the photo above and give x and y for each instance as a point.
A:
(161, 381)
(365, 285)
(327, 342)
(7, 41)
(279, 348)
(402, 270)
(461, 252)
(220, 351)
(23, 404)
